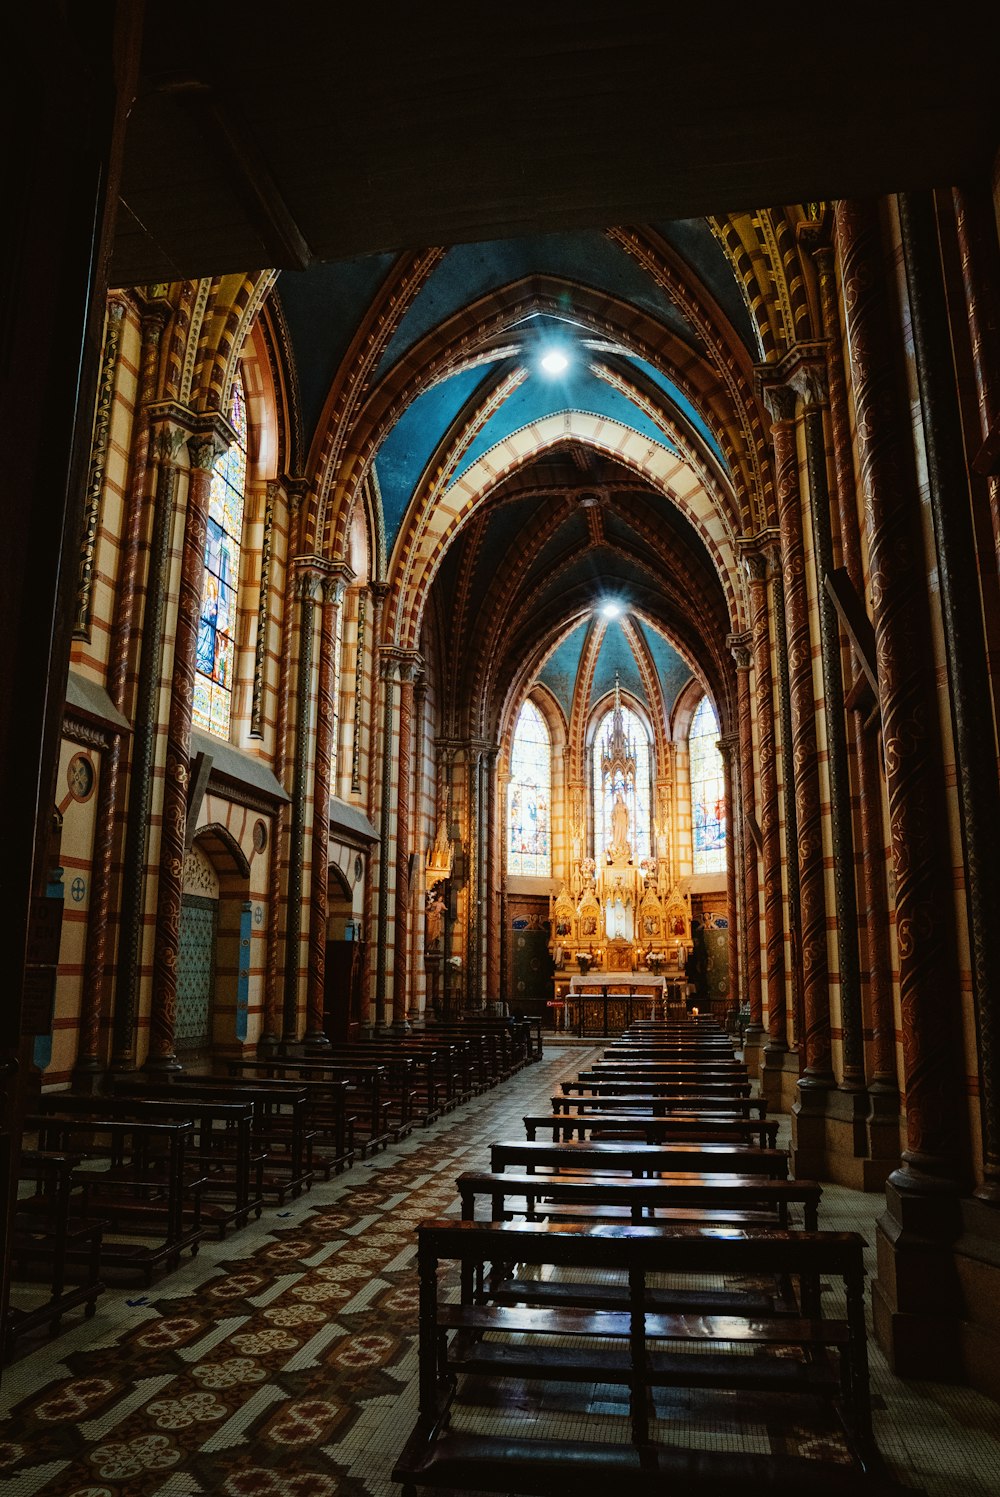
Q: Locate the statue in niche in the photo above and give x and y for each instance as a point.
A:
(620, 850)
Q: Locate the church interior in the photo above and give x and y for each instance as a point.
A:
(468, 560)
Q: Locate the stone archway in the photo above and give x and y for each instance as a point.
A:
(213, 958)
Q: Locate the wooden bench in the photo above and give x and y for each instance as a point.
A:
(639, 1159)
(629, 1350)
(657, 1095)
(135, 1178)
(439, 1071)
(609, 1114)
(741, 1200)
(671, 1085)
(45, 1238)
(281, 1125)
(221, 1149)
(652, 1130)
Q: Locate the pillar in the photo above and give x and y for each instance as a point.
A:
(965, 648)
(728, 745)
(915, 1296)
(803, 760)
(204, 447)
(401, 942)
(308, 593)
(797, 1026)
(333, 588)
(740, 647)
(167, 439)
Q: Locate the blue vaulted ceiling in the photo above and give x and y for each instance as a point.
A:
(560, 670)
(470, 271)
(407, 449)
(615, 657)
(672, 670)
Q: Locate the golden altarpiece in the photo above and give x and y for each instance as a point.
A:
(620, 920)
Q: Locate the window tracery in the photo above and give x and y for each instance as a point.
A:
(622, 806)
(216, 655)
(529, 848)
(708, 792)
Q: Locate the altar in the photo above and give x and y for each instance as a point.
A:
(606, 1003)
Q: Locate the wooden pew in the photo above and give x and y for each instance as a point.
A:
(135, 1178)
(453, 1343)
(739, 1200)
(565, 1126)
(281, 1125)
(659, 1094)
(441, 1071)
(336, 1091)
(701, 1126)
(45, 1236)
(639, 1159)
(221, 1148)
(738, 1087)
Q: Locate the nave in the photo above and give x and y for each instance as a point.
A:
(283, 1362)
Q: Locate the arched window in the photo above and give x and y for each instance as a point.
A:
(708, 791)
(529, 849)
(621, 771)
(216, 658)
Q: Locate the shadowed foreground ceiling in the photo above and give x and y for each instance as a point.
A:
(278, 136)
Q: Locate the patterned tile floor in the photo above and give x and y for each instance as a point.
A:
(281, 1362)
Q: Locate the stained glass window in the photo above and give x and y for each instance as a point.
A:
(216, 657)
(635, 794)
(708, 791)
(528, 846)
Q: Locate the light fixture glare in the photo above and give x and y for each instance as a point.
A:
(555, 362)
(611, 610)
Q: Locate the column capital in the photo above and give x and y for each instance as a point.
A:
(727, 746)
(740, 644)
(396, 663)
(379, 590)
(171, 424)
(308, 576)
(778, 397)
(339, 577)
(212, 437)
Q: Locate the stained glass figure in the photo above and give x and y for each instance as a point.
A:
(528, 846)
(215, 655)
(621, 763)
(708, 791)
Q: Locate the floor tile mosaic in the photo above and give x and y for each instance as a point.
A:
(281, 1361)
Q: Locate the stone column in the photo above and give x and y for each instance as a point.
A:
(88, 1055)
(204, 447)
(333, 593)
(308, 585)
(818, 1073)
(167, 439)
(490, 862)
(965, 648)
(155, 313)
(915, 1297)
(378, 592)
(740, 647)
(727, 748)
(756, 566)
(401, 942)
(780, 1034)
(387, 674)
(418, 997)
(883, 1092)
(810, 382)
(474, 964)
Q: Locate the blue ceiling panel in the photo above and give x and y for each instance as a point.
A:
(683, 405)
(560, 670)
(672, 670)
(694, 241)
(616, 655)
(408, 448)
(322, 308)
(540, 396)
(470, 271)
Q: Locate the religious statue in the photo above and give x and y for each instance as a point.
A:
(621, 849)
